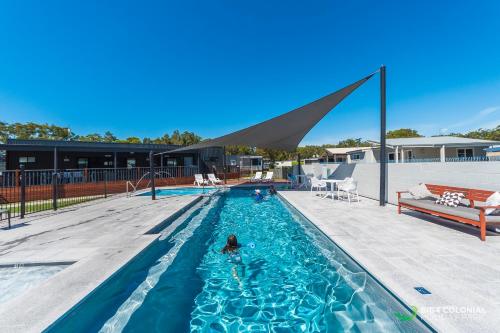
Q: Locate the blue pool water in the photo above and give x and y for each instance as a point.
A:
(293, 280)
(181, 191)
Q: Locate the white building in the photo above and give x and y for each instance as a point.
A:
(425, 149)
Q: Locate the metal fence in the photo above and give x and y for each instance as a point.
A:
(28, 191)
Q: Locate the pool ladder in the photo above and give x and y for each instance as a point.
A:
(134, 187)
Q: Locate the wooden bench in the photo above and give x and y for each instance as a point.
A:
(471, 214)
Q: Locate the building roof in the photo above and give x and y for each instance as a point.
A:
(340, 151)
(439, 141)
(61, 145)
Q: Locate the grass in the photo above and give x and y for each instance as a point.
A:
(41, 205)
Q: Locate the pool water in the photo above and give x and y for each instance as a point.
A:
(288, 277)
(16, 279)
(181, 191)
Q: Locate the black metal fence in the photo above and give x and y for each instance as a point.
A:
(28, 191)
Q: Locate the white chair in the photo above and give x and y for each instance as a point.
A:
(318, 184)
(349, 187)
(268, 178)
(257, 177)
(214, 180)
(199, 180)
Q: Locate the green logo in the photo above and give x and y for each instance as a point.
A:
(406, 317)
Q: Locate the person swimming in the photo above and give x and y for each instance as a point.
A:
(231, 244)
(232, 249)
(272, 190)
(258, 195)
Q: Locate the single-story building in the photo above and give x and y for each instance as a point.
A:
(339, 155)
(63, 155)
(425, 149)
(246, 162)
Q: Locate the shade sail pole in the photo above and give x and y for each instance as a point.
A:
(383, 155)
(224, 164)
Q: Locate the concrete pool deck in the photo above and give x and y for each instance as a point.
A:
(412, 250)
(99, 237)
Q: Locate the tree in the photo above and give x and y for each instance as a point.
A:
(132, 139)
(484, 134)
(403, 133)
(109, 137)
(347, 143)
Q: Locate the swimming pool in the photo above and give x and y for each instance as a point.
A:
(293, 280)
(181, 191)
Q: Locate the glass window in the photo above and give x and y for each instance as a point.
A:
(130, 163)
(391, 157)
(171, 162)
(356, 156)
(27, 159)
(465, 152)
(108, 163)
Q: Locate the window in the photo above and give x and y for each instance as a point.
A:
(409, 155)
(108, 163)
(83, 163)
(232, 162)
(27, 159)
(171, 162)
(355, 157)
(465, 152)
(188, 161)
(130, 163)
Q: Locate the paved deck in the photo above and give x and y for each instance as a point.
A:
(100, 237)
(411, 250)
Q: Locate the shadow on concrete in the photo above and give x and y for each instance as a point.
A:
(465, 228)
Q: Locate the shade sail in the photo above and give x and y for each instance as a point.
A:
(285, 131)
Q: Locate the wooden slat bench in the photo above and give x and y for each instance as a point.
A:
(465, 214)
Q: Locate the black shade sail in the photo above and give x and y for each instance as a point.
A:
(285, 131)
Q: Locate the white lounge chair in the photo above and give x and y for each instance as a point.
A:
(199, 180)
(214, 180)
(257, 177)
(268, 178)
(349, 187)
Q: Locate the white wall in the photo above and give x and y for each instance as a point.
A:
(479, 175)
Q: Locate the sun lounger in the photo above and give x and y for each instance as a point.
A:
(199, 180)
(214, 180)
(268, 178)
(257, 177)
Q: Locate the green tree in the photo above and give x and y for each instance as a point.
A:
(132, 139)
(403, 133)
(109, 137)
(352, 143)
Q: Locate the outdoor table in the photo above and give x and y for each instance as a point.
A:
(333, 183)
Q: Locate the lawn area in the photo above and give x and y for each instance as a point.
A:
(41, 205)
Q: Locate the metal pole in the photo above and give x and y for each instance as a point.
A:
(105, 183)
(298, 171)
(23, 192)
(115, 160)
(54, 181)
(383, 155)
(152, 175)
(224, 164)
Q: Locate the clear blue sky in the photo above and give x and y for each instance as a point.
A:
(147, 67)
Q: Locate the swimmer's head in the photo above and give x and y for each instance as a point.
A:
(257, 191)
